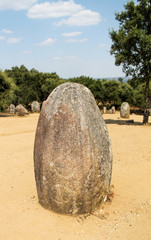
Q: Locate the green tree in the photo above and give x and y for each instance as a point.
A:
(29, 84)
(131, 44)
(120, 80)
(126, 93)
(7, 88)
(98, 90)
(139, 97)
(86, 81)
(19, 74)
(111, 91)
(50, 83)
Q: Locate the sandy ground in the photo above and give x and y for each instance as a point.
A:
(126, 217)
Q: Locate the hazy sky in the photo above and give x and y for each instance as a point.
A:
(69, 37)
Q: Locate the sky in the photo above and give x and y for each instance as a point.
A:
(69, 37)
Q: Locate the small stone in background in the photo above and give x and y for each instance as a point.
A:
(125, 110)
(113, 109)
(21, 110)
(35, 106)
(12, 108)
(110, 111)
(104, 110)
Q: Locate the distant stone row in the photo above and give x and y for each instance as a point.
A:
(20, 110)
(112, 110)
(124, 110)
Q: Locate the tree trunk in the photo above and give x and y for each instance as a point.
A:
(147, 100)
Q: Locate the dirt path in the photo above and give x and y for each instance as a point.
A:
(127, 217)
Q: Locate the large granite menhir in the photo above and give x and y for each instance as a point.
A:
(72, 152)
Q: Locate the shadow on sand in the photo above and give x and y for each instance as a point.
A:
(123, 122)
(7, 115)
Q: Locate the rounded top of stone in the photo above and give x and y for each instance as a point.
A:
(69, 88)
(35, 102)
(125, 103)
(70, 85)
(19, 105)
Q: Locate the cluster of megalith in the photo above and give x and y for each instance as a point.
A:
(112, 110)
(124, 110)
(72, 152)
(20, 110)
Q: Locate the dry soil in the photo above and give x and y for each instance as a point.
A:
(126, 217)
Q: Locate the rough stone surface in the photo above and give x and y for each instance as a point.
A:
(125, 110)
(110, 111)
(20, 110)
(35, 106)
(12, 108)
(104, 110)
(113, 109)
(72, 152)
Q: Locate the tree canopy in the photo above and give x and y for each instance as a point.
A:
(131, 44)
(7, 88)
(24, 86)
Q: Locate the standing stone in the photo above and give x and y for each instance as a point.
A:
(20, 110)
(35, 106)
(104, 110)
(113, 109)
(110, 111)
(12, 108)
(125, 110)
(72, 152)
